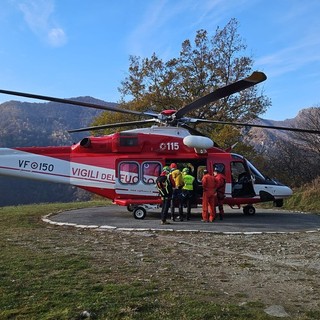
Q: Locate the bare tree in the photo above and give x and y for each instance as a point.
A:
(309, 118)
(294, 158)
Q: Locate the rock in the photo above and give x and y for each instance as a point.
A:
(276, 311)
(85, 315)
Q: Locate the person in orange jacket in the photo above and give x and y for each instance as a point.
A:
(208, 197)
(221, 186)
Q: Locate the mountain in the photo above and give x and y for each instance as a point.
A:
(42, 124)
(24, 124)
(265, 139)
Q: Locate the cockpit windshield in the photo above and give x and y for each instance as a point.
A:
(257, 174)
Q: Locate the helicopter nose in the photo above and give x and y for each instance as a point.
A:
(286, 191)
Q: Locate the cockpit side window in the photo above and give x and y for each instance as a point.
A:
(241, 180)
(238, 171)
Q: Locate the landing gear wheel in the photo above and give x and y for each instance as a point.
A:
(130, 207)
(249, 210)
(139, 213)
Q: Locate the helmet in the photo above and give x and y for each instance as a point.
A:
(173, 166)
(219, 167)
(166, 168)
(185, 171)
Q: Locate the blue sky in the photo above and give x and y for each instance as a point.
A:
(71, 48)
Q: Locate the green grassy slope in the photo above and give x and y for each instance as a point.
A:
(306, 198)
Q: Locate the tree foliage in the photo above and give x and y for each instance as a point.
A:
(201, 67)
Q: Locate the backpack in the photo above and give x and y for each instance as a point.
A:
(164, 186)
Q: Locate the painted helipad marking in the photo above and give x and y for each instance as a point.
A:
(113, 228)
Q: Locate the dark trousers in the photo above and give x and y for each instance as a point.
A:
(166, 201)
(187, 197)
(177, 198)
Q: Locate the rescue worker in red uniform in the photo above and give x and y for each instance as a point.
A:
(218, 173)
(208, 197)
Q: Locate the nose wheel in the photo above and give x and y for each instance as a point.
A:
(249, 210)
(139, 213)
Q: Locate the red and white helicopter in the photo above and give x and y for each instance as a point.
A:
(123, 166)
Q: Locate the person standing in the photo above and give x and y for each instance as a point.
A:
(208, 197)
(165, 189)
(187, 190)
(176, 179)
(221, 188)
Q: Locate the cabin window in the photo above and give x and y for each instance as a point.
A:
(150, 171)
(129, 172)
(200, 172)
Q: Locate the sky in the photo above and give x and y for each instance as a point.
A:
(72, 48)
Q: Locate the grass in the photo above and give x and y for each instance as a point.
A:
(49, 272)
(305, 198)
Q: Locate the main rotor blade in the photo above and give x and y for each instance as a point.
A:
(73, 102)
(193, 131)
(255, 78)
(257, 126)
(114, 125)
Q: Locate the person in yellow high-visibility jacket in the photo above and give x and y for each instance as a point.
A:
(176, 179)
(187, 190)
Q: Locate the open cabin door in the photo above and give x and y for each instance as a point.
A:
(196, 167)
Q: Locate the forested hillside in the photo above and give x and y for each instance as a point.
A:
(41, 124)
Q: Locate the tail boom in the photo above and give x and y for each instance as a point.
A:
(53, 164)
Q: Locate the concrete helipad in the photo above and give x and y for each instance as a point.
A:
(118, 218)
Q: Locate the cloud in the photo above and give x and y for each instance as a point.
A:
(57, 37)
(296, 56)
(38, 14)
(163, 22)
(296, 44)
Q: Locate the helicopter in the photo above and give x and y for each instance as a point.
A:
(123, 166)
